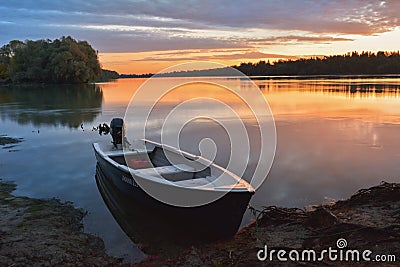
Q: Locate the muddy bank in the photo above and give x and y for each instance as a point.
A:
(9, 142)
(369, 220)
(5, 140)
(37, 232)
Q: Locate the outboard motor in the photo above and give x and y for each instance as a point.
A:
(117, 130)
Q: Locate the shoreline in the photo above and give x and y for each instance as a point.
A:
(49, 232)
(264, 77)
(46, 232)
(251, 77)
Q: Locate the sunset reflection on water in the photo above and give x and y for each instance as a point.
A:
(334, 136)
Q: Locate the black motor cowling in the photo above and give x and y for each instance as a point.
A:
(116, 130)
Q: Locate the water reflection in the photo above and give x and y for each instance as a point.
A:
(53, 105)
(368, 100)
(331, 142)
(353, 88)
(157, 233)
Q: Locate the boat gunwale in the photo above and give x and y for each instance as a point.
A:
(247, 187)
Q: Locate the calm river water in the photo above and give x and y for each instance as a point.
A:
(334, 136)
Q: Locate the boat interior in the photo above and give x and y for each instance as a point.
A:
(186, 171)
(155, 161)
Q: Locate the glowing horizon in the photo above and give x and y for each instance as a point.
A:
(153, 62)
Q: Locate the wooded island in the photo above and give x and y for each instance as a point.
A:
(63, 60)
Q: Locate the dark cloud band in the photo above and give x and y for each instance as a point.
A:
(137, 26)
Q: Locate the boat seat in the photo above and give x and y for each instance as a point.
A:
(114, 153)
(193, 182)
(171, 172)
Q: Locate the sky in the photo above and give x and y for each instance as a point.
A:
(148, 36)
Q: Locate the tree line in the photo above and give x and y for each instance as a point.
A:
(365, 63)
(63, 60)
